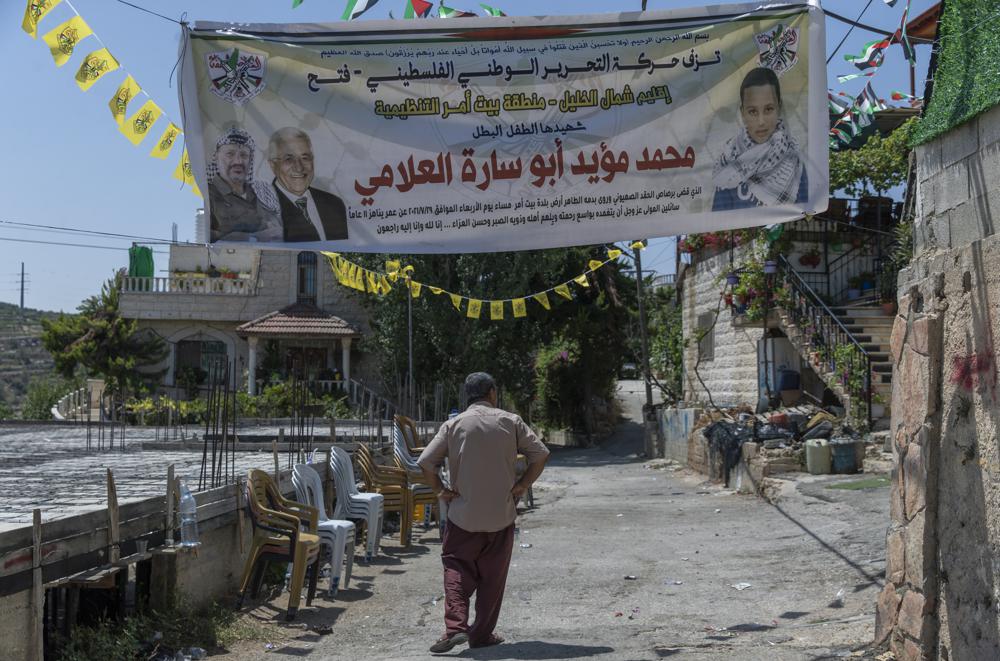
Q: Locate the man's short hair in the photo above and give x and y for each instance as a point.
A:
(478, 385)
(282, 136)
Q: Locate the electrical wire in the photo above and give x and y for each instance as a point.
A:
(848, 32)
(71, 245)
(150, 11)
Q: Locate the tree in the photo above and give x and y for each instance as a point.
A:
(42, 395)
(666, 341)
(448, 345)
(876, 166)
(99, 341)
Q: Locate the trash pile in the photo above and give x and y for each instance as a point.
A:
(803, 437)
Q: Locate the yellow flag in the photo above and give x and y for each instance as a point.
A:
(496, 310)
(166, 141)
(183, 171)
(456, 300)
(195, 190)
(581, 280)
(359, 279)
(35, 11)
(384, 284)
(435, 290)
(520, 309)
(563, 291)
(119, 102)
(614, 253)
(415, 289)
(136, 127)
(392, 268)
(543, 300)
(638, 245)
(372, 282)
(64, 38)
(595, 264)
(475, 305)
(94, 66)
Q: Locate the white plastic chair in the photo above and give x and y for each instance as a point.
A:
(354, 505)
(336, 535)
(406, 461)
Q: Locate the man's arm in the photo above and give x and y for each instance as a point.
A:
(431, 475)
(534, 470)
(536, 453)
(429, 461)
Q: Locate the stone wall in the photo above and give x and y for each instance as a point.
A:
(942, 594)
(731, 375)
(675, 429)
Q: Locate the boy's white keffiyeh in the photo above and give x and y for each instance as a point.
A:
(769, 172)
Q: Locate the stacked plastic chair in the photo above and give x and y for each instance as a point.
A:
(354, 505)
(394, 486)
(421, 493)
(278, 535)
(337, 536)
(410, 436)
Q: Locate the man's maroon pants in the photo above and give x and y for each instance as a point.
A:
(474, 562)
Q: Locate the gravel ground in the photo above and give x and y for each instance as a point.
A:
(603, 516)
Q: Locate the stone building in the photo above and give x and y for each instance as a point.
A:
(272, 313)
(942, 594)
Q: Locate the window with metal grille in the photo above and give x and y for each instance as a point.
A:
(306, 290)
(706, 329)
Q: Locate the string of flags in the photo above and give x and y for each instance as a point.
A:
(412, 9)
(852, 118)
(353, 275)
(62, 41)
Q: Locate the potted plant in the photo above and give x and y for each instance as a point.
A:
(212, 271)
(854, 287)
(226, 273)
(198, 273)
(733, 278)
(888, 307)
(811, 258)
(770, 267)
(729, 299)
(867, 281)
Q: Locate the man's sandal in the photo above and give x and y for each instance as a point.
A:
(489, 642)
(445, 643)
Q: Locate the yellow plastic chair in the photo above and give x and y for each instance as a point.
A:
(409, 429)
(278, 537)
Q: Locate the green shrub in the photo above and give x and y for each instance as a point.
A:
(42, 395)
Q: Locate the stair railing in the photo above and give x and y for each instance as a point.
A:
(825, 334)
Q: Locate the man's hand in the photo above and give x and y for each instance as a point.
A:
(447, 495)
(517, 491)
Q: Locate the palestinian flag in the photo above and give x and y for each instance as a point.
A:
(355, 8)
(914, 101)
(852, 76)
(837, 106)
(448, 12)
(417, 9)
(891, 3)
(491, 11)
(868, 101)
(871, 56)
(900, 37)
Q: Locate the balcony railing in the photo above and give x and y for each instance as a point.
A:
(188, 285)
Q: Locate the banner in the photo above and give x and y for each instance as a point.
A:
(512, 133)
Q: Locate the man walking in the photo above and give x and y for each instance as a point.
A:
(481, 446)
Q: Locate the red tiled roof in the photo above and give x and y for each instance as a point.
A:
(923, 28)
(298, 320)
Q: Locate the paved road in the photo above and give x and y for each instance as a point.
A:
(601, 515)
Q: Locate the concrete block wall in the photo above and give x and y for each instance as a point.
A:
(675, 428)
(942, 593)
(731, 375)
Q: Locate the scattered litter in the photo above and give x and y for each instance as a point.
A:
(269, 646)
(741, 586)
(629, 577)
(326, 629)
(685, 559)
(619, 515)
(634, 613)
(525, 546)
(432, 601)
(618, 613)
(717, 511)
(838, 601)
(672, 582)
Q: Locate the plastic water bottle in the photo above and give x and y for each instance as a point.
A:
(189, 517)
(453, 413)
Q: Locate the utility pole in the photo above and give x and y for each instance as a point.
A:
(409, 335)
(22, 289)
(637, 252)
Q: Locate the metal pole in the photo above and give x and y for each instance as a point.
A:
(22, 289)
(409, 334)
(642, 330)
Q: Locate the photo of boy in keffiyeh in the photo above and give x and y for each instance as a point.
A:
(761, 165)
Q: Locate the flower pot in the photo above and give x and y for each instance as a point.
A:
(733, 279)
(889, 308)
(867, 284)
(853, 294)
(770, 267)
(729, 299)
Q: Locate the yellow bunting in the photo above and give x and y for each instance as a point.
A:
(166, 142)
(520, 309)
(183, 171)
(196, 191)
(475, 306)
(456, 300)
(614, 253)
(595, 264)
(543, 300)
(582, 280)
(359, 279)
(384, 284)
(392, 269)
(35, 11)
(496, 310)
(638, 245)
(407, 270)
(372, 282)
(94, 66)
(119, 102)
(63, 39)
(136, 127)
(563, 291)
(415, 289)
(435, 290)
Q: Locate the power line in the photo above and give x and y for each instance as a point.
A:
(149, 11)
(77, 230)
(848, 32)
(71, 245)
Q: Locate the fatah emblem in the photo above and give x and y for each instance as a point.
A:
(121, 100)
(234, 76)
(168, 140)
(779, 48)
(93, 67)
(67, 40)
(36, 8)
(142, 123)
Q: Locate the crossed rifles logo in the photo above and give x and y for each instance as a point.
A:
(93, 67)
(143, 121)
(36, 8)
(168, 140)
(121, 100)
(67, 40)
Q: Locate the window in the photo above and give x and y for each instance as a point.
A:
(706, 329)
(202, 356)
(306, 288)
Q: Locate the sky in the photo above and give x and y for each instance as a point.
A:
(66, 165)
